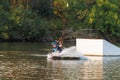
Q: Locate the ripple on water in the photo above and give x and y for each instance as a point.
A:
(27, 67)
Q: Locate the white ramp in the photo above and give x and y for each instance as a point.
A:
(98, 47)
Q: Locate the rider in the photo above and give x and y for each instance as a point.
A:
(54, 44)
(57, 45)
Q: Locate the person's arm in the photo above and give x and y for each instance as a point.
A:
(60, 44)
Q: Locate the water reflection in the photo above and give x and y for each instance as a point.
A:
(21, 68)
(111, 68)
(30, 66)
(78, 69)
(95, 68)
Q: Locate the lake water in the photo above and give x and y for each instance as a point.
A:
(27, 61)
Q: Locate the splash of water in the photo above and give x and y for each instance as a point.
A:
(71, 52)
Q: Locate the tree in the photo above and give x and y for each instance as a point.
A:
(4, 19)
(104, 16)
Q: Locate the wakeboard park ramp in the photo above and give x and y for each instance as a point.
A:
(96, 47)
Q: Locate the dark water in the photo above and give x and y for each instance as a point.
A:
(27, 61)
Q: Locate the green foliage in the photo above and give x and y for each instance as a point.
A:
(18, 23)
(43, 7)
(104, 16)
(4, 19)
(21, 24)
(27, 25)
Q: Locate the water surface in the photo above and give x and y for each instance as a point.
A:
(27, 61)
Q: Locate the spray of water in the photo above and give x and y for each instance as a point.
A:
(71, 52)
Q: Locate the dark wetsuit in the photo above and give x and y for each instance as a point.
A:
(57, 48)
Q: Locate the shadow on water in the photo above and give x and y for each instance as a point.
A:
(25, 64)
